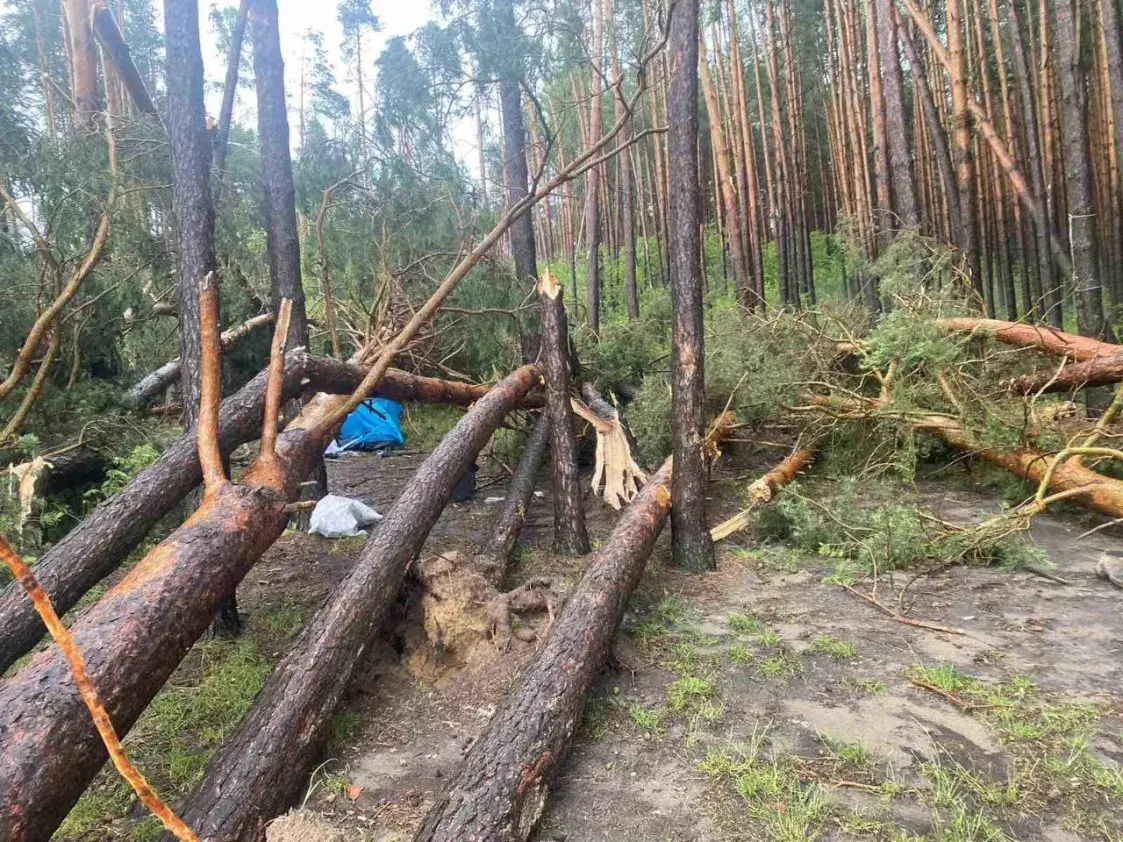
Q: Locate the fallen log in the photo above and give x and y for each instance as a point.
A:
(502, 787)
(135, 637)
(1071, 477)
(501, 790)
(1041, 337)
(493, 556)
(95, 548)
(1098, 371)
(152, 385)
(264, 766)
(765, 489)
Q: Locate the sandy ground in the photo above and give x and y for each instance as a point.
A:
(986, 759)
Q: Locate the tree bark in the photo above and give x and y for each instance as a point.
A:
(692, 547)
(282, 237)
(1098, 371)
(885, 220)
(495, 554)
(109, 36)
(94, 548)
(515, 172)
(502, 787)
(152, 385)
(190, 148)
(230, 86)
(1083, 246)
(265, 765)
(1043, 338)
(904, 197)
(964, 164)
(570, 534)
(592, 180)
(135, 637)
(83, 62)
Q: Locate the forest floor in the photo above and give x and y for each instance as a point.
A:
(761, 701)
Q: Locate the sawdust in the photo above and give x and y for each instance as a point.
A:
(303, 826)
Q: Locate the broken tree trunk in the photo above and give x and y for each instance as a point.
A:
(94, 548)
(114, 47)
(501, 790)
(502, 787)
(265, 765)
(1099, 493)
(1042, 337)
(495, 554)
(135, 637)
(570, 534)
(151, 386)
(1098, 371)
(766, 488)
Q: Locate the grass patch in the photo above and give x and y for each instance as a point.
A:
(689, 691)
(648, 719)
(839, 650)
(784, 664)
(739, 653)
(852, 754)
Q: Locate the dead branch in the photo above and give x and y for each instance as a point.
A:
(766, 488)
(117, 51)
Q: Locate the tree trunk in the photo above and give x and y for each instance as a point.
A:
(502, 787)
(117, 51)
(152, 385)
(1085, 281)
(191, 155)
(230, 86)
(726, 190)
(570, 534)
(693, 549)
(904, 197)
(282, 236)
(135, 637)
(592, 180)
(1045, 339)
(1098, 371)
(96, 546)
(494, 555)
(262, 769)
(964, 164)
(83, 62)
(885, 220)
(514, 148)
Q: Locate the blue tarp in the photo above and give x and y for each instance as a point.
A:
(372, 425)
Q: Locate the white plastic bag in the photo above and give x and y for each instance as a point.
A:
(341, 517)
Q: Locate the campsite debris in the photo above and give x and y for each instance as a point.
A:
(341, 517)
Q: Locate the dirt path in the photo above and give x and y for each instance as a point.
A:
(763, 702)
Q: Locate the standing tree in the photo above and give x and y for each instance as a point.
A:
(592, 178)
(693, 549)
(190, 147)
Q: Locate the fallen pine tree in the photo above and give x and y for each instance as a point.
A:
(97, 545)
(264, 766)
(766, 488)
(154, 384)
(502, 787)
(1042, 337)
(1056, 474)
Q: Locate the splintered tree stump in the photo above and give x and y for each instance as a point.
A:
(502, 787)
(571, 537)
(262, 769)
(96, 546)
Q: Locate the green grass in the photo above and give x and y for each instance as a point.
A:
(739, 653)
(648, 719)
(839, 650)
(785, 664)
(180, 731)
(745, 623)
(852, 754)
(285, 620)
(689, 691)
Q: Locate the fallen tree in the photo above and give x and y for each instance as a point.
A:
(98, 545)
(765, 488)
(264, 766)
(1098, 371)
(494, 555)
(1058, 476)
(1041, 337)
(502, 787)
(152, 385)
